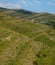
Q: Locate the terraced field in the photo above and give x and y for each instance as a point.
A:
(25, 43)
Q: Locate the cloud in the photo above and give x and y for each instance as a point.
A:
(26, 3)
(36, 2)
(51, 3)
(10, 5)
(23, 1)
(30, 3)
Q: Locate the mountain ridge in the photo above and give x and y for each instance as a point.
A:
(20, 10)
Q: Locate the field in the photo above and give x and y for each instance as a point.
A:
(27, 42)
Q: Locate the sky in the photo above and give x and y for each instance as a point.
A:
(30, 5)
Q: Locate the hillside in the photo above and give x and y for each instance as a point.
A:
(18, 13)
(28, 39)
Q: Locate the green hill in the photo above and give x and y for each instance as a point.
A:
(27, 40)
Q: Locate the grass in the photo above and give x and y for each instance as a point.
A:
(25, 43)
(45, 56)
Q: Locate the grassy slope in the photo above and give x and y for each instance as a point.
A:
(25, 43)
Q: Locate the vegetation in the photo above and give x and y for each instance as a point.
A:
(27, 40)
